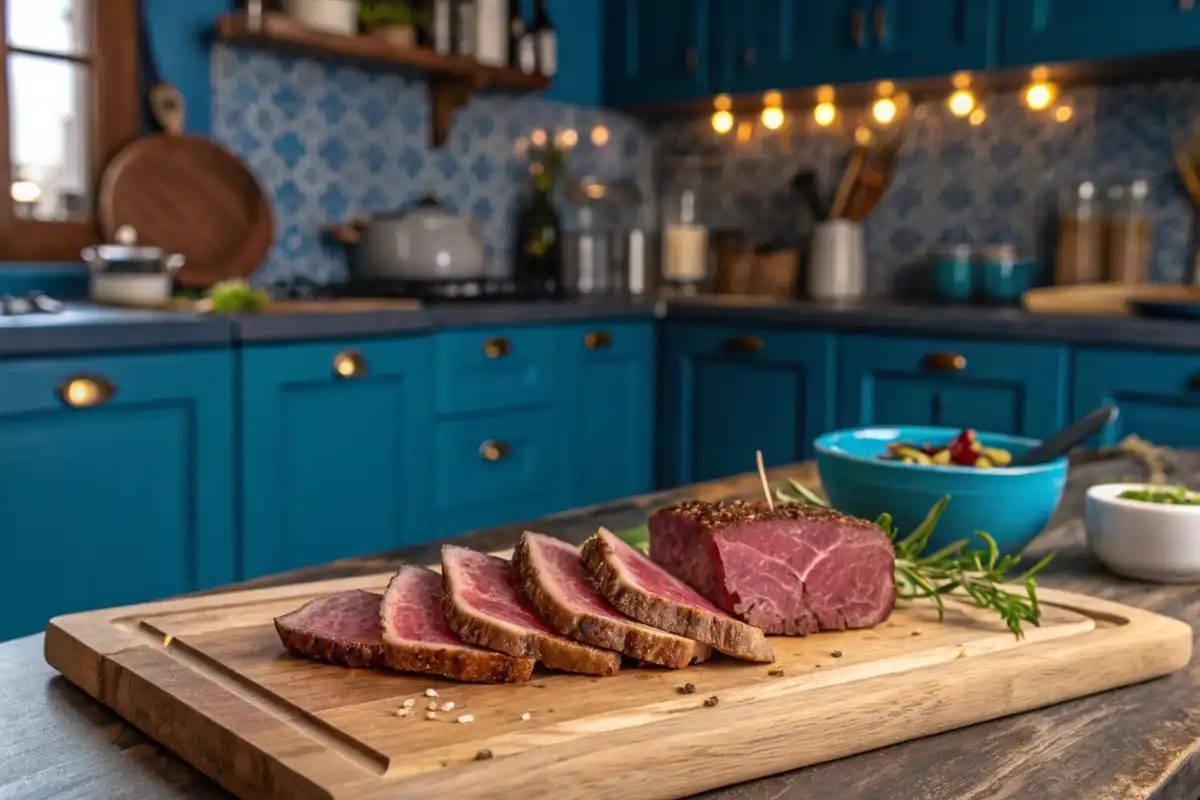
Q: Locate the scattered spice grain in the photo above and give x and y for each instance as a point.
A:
(688, 688)
(712, 701)
(483, 755)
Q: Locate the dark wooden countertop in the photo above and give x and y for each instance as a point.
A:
(1138, 742)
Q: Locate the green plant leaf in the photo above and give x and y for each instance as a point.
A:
(639, 537)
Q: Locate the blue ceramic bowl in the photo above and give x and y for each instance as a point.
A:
(1013, 504)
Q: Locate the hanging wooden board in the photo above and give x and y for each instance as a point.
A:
(208, 678)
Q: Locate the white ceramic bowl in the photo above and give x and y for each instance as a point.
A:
(1147, 541)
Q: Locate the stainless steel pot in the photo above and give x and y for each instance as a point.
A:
(422, 243)
(126, 273)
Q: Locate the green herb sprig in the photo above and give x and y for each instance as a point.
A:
(953, 569)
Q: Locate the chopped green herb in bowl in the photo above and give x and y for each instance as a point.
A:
(1167, 495)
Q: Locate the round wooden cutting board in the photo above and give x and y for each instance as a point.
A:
(186, 193)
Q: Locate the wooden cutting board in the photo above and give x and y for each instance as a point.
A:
(208, 678)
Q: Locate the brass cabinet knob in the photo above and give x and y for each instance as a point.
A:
(881, 23)
(493, 450)
(597, 340)
(349, 364)
(1196, 381)
(944, 362)
(691, 59)
(86, 391)
(858, 21)
(497, 347)
(746, 344)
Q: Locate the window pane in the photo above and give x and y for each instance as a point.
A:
(48, 110)
(53, 26)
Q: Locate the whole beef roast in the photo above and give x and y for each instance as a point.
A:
(416, 637)
(794, 569)
(485, 605)
(561, 590)
(340, 628)
(638, 587)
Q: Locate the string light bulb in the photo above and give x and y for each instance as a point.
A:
(772, 118)
(978, 116)
(884, 110)
(1040, 93)
(961, 102)
(722, 121)
(600, 136)
(1064, 113)
(825, 114)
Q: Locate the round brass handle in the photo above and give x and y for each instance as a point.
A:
(497, 347)
(746, 344)
(944, 362)
(880, 24)
(493, 450)
(349, 364)
(1196, 381)
(596, 340)
(858, 21)
(86, 391)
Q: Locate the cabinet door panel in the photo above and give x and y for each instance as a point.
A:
(1005, 388)
(1158, 394)
(661, 51)
(334, 467)
(126, 501)
(1038, 31)
(728, 391)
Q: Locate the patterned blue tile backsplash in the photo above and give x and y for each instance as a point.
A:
(995, 182)
(331, 143)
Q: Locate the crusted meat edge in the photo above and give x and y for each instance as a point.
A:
(726, 634)
(462, 664)
(326, 648)
(513, 640)
(661, 647)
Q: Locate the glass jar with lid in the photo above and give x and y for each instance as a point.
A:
(685, 239)
(1130, 236)
(1081, 235)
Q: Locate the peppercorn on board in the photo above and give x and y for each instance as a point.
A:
(208, 678)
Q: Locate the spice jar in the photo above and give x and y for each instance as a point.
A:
(1081, 236)
(1130, 234)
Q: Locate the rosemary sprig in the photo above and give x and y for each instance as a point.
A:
(953, 569)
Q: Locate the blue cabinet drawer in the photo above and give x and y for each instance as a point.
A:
(728, 391)
(607, 379)
(479, 369)
(498, 468)
(1158, 393)
(335, 442)
(1006, 388)
(116, 491)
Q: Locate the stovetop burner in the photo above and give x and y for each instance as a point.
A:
(487, 290)
(32, 303)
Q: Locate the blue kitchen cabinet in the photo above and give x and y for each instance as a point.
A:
(336, 450)
(116, 481)
(920, 38)
(1042, 31)
(999, 387)
(607, 375)
(1158, 393)
(728, 391)
(658, 51)
(498, 468)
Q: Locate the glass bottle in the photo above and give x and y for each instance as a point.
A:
(1080, 236)
(1130, 234)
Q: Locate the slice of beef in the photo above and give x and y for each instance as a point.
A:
(486, 606)
(794, 569)
(551, 572)
(416, 637)
(340, 628)
(645, 591)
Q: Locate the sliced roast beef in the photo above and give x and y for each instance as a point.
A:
(340, 628)
(794, 569)
(485, 605)
(416, 637)
(638, 587)
(551, 572)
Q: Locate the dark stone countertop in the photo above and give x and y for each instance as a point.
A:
(1141, 742)
(87, 329)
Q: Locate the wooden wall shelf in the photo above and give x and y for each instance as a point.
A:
(451, 79)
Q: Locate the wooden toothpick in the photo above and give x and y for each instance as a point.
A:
(762, 474)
